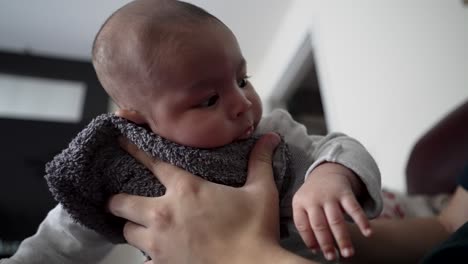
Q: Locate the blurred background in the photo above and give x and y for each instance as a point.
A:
(381, 71)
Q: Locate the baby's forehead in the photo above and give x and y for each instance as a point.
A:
(165, 52)
(174, 44)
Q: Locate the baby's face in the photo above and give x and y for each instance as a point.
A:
(204, 97)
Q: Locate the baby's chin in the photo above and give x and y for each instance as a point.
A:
(214, 146)
(209, 143)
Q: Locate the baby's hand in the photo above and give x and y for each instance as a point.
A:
(318, 206)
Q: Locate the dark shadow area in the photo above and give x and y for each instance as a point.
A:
(28, 145)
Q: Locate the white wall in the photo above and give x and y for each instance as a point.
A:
(290, 35)
(388, 69)
(124, 254)
(33, 98)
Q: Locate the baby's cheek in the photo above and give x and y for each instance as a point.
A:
(204, 137)
(256, 105)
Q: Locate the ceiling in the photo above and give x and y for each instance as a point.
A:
(62, 28)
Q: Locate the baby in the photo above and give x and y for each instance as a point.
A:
(178, 70)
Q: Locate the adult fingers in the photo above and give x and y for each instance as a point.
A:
(167, 174)
(138, 209)
(339, 229)
(138, 236)
(354, 210)
(260, 170)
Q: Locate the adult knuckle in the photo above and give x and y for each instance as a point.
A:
(152, 246)
(186, 187)
(161, 216)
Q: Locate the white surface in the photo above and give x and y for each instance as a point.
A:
(124, 254)
(41, 99)
(67, 28)
(388, 70)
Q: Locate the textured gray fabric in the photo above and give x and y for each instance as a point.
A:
(94, 167)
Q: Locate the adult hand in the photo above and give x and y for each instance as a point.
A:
(455, 214)
(197, 221)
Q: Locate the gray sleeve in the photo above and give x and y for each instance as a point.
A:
(339, 148)
(60, 240)
(334, 147)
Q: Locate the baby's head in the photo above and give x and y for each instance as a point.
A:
(178, 69)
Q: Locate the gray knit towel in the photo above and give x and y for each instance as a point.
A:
(93, 167)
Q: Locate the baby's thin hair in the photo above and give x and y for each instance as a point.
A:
(165, 19)
(180, 11)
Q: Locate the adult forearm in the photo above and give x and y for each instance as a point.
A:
(265, 253)
(397, 241)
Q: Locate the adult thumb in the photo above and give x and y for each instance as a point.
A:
(260, 162)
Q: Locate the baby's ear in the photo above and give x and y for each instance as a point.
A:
(131, 115)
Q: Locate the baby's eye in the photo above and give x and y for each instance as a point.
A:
(243, 82)
(210, 101)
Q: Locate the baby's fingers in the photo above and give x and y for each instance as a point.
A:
(301, 220)
(322, 232)
(354, 210)
(339, 229)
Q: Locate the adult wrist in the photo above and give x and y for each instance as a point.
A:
(255, 252)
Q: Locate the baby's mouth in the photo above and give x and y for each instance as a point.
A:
(247, 133)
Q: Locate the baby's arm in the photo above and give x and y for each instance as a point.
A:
(341, 149)
(336, 148)
(320, 206)
(60, 240)
(341, 170)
